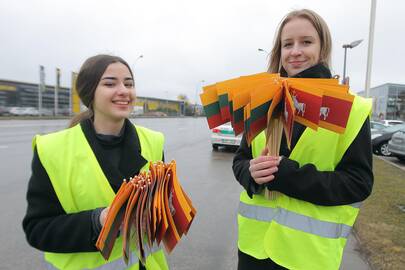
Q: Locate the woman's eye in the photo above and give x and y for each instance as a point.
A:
(129, 85)
(286, 45)
(307, 42)
(109, 84)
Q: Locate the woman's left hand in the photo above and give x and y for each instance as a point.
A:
(103, 216)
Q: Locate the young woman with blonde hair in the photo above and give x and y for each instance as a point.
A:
(320, 181)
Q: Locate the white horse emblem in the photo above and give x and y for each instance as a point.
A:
(299, 106)
(324, 112)
(285, 111)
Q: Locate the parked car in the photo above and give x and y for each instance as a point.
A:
(224, 136)
(376, 126)
(380, 139)
(30, 111)
(18, 111)
(397, 144)
(4, 111)
(46, 112)
(24, 111)
(64, 111)
(392, 122)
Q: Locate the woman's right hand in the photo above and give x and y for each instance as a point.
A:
(262, 168)
(103, 216)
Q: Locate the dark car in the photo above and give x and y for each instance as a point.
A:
(380, 139)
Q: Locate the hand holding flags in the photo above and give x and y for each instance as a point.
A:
(150, 208)
(269, 102)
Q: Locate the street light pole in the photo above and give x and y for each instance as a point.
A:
(370, 46)
(196, 96)
(348, 46)
(344, 65)
(263, 50)
(56, 95)
(167, 102)
(41, 88)
(266, 52)
(136, 60)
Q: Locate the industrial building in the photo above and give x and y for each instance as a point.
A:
(388, 101)
(15, 94)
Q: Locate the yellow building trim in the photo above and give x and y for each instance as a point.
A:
(7, 87)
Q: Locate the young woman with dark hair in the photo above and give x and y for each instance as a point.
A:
(77, 171)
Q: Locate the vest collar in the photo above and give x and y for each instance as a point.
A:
(131, 159)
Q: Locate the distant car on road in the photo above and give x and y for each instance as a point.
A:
(4, 111)
(23, 111)
(18, 111)
(392, 122)
(30, 111)
(379, 140)
(46, 112)
(397, 144)
(224, 136)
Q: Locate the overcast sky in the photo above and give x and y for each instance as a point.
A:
(185, 42)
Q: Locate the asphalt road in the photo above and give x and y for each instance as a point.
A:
(205, 175)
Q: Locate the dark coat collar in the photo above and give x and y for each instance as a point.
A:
(131, 160)
(317, 71)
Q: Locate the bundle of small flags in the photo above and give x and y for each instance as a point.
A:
(251, 102)
(148, 209)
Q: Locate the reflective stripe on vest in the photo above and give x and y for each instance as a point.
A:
(294, 233)
(80, 185)
(295, 221)
(117, 264)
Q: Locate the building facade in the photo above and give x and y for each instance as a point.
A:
(388, 101)
(22, 94)
(26, 95)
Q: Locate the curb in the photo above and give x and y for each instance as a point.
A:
(390, 162)
(361, 249)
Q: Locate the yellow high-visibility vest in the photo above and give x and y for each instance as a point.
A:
(81, 185)
(297, 234)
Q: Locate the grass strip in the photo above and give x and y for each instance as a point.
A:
(380, 226)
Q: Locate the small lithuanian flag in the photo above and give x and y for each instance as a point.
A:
(209, 99)
(267, 101)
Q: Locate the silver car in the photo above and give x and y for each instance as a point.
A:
(376, 126)
(392, 122)
(397, 144)
(224, 136)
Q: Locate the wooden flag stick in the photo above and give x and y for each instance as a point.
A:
(273, 138)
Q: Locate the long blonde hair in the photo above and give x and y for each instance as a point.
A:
(320, 26)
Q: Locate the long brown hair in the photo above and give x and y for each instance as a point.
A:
(88, 79)
(320, 26)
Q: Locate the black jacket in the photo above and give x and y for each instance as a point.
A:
(351, 181)
(46, 224)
